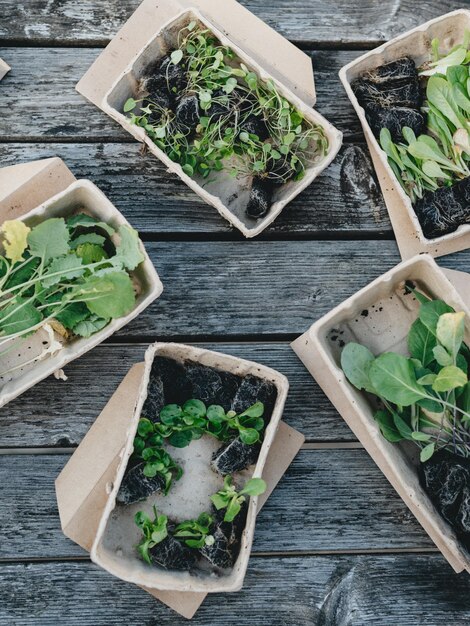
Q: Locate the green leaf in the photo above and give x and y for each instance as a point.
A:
(170, 413)
(430, 312)
(82, 220)
(393, 377)
(91, 253)
(419, 436)
(449, 378)
(402, 427)
(355, 362)
(87, 238)
(129, 105)
(181, 439)
(65, 268)
(450, 331)
(72, 314)
(463, 401)
(18, 317)
(249, 436)
(421, 342)
(195, 408)
(442, 356)
(427, 379)
(108, 296)
(255, 410)
(128, 251)
(215, 414)
(49, 239)
(90, 326)
(176, 56)
(387, 426)
(254, 487)
(439, 94)
(233, 510)
(219, 501)
(145, 427)
(427, 452)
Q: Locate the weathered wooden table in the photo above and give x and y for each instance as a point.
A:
(334, 545)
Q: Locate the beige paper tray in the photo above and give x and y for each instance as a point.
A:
(4, 68)
(225, 193)
(84, 484)
(450, 30)
(51, 183)
(380, 319)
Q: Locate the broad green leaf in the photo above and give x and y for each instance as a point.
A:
(427, 452)
(219, 501)
(181, 439)
(128, 250)
(215, 413)
(83, 220)
(439, 94)
(355, 362)
(49, 239)
(15, 233)
(419, 436)
(87, 238)
(72, 314)
(456, 57)
(422, 150)
(432, 169)
(62, 269)
(463, 401)
(402, 427)
(254, 487)
(450, 331)
(170, 413)
(23, 274)
(457, 74)
(249, 436)
(91, 253)
(393, 377)
(449, 378)
(195, 408)
(442, 356)
(108, 296)
(255, 410)
(387, 426)
(421, 342)
(233, 510)
(427, 379)
(176, 56)
(430, 312)
(129, 105)
(17, 317)
(145, 427)
(90, 326)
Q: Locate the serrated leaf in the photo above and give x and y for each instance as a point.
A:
(18, 317)
(15, 233)
(87, 221)
(91, 253)
(128, 251)
(63, 268)
(49, 239)
(72, 314)
(90, 326)
(87, 238)
(108, 296)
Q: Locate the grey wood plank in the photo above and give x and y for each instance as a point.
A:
(329, 500)
(57, 413)
(345, 199)
(300, 20)
(259, 288)
(399, 590)
(54, 110)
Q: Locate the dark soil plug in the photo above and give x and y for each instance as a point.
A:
(157, 89)
(172, 554)
(253, 390)
(187, 111)
(175, 75)
(234, 457)
(403, 69)
(136, 486)
(255, 126)
(395, 119)
(441, 212)
(280, 171)
(260, 198)
(387, 95)
(446, 479)
(219, 553)
(212, 386)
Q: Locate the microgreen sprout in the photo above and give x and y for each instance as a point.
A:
(232, 500)
(196, 533)
(154, 531)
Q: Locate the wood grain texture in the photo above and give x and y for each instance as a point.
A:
(258, 288)
(310, 21)
(39, 100)
(344, 200)
(401, 590)
(329, 500)
(58, 413)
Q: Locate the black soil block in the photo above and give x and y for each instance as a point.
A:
(446, 479)
(220, 553)
(234, 457)
(187, 111)
(403, 69)
(395, 119)
(136, 486)
(173, 555)
(441, 212)
(157, 89)
(255, 126)
(260, 199)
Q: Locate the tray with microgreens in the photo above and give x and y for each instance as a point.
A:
(236, 135)
(184, 511)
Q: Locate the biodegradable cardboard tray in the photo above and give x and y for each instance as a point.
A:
(84, 485)
(4, 68)
(21, 187)
(127, 565)
(416, 43)
(379, 317)
(253, 42)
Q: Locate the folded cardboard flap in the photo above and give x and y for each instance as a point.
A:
(83, 486)
(27, 185)
(4, 68)
(322, 360)
(270, 49)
